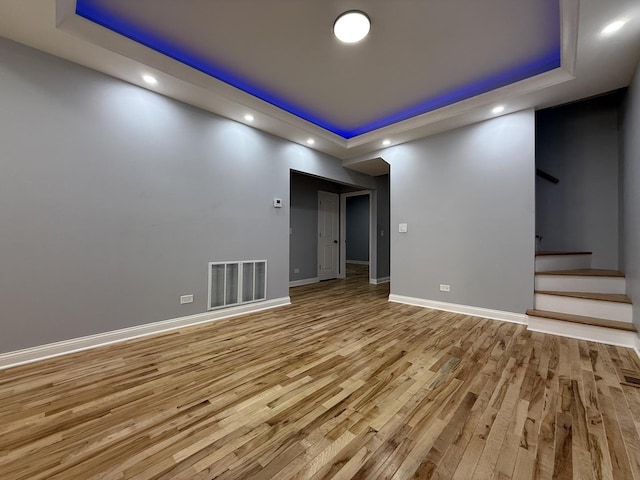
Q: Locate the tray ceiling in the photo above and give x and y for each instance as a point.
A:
(419, 56)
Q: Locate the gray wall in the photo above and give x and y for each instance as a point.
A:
(468, 198)
(579, 144)
(384, 232)
(303, 249)
(113, 199)
(357, 234)
(631, 195)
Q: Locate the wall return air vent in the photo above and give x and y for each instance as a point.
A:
(235, 283)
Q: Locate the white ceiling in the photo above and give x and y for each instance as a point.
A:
(417, 50)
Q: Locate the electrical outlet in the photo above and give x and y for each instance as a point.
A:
(186, 299)
(296, 270)
(445, 288)
(402, 228)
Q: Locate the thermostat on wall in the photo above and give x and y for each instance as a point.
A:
(277, 202)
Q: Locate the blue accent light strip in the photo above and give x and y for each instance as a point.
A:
(90, 10)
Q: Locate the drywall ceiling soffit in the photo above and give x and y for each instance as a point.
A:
(597, 67)
(373, 166)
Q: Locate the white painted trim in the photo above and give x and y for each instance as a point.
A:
(544, 263)
(637, 346)
(591, 333)
(42, 352)
(358, 262)
(462, 309)
(579, 283)
(378, 281)
(304, 281)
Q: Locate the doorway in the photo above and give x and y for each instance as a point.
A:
(368, 248)
(314, 238)
(357, 236)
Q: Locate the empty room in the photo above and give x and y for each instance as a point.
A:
(338, 239)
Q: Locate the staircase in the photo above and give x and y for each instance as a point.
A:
(573, 300)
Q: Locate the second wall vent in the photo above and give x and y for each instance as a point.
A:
(235, 283)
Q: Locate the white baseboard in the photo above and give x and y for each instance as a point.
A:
(462, 309)
(42, 352)
(304, 281)
(579, 331)
(378, 281)
(358, 262)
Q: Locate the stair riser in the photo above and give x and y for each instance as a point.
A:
(583, 332)
(577, 283)
(562, 262)
(621, 312)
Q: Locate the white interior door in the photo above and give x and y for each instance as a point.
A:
(328, 234)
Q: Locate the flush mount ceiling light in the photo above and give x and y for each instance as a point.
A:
(310, 141)
(351, 26)
(150, 79)
(613, 27)
(386, 142)
(248, 117)
(498, 109)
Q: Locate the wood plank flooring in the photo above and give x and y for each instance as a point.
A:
(341, 384)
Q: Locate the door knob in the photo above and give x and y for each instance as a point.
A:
(335, 241)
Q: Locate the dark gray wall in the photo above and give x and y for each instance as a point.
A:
(303, 250)
(468, 198)
(631, 195)
(357, 234)
(384, 232)
(579, 144)
(113, 199)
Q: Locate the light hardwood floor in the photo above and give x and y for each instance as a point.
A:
(341, 384)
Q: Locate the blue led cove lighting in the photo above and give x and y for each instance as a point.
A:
(90, 10)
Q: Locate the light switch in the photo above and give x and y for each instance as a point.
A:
(402, 228)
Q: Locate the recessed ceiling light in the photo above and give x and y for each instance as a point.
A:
(498, 109)
(310, 141)
(613, 27)
(150, 79)
(248, 117)
(351, 26)
(386, 142)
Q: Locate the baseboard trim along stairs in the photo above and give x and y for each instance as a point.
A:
(573, 300)
(42, 352)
